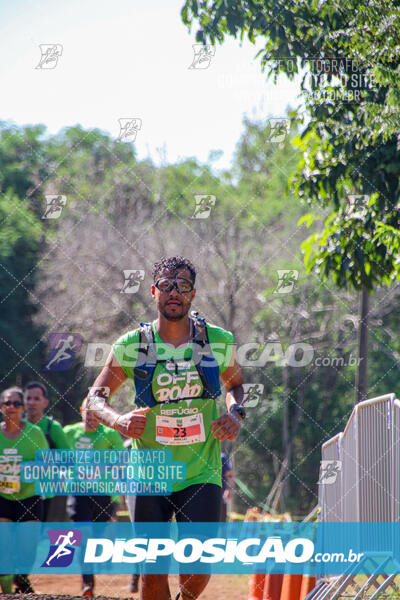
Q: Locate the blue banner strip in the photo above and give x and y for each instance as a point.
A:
(223, 548)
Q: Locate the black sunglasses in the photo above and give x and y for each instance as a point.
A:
(182, 285)
(15, 403)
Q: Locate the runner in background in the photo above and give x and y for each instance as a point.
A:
(36, 402)
(227, 484)
(90, 434)
(19, 440)
(130, 503)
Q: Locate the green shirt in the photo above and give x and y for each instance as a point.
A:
(183, 426)
(56, 432)
(12, 454)
(103, 438)
(57, 435)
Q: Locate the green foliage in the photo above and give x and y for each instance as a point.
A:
(355, 248)
(20, 239)
(352, 98)
(348, 58)
(250, 234)
(82, 161)
(263, 169)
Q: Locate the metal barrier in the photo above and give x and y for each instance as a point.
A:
(330, 496)
(360, 482)
(396, 462)
(367, 462)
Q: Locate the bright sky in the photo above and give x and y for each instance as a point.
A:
(130, 59)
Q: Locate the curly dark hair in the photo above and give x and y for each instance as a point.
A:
(173, 264)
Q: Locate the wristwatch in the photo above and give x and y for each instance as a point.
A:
(239, 410)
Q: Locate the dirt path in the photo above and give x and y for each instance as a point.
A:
(49, 587)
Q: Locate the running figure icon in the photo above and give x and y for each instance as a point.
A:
(62, 550)
(63, 352)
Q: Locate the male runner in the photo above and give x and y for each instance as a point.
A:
(36, 402)
(184, 381)
(19, 501)
(92, 435)
(228, 481)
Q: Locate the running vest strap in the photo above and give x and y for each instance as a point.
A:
(48, 435)
(205, 363)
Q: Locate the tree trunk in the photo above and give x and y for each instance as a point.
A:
(286, 442)
(361, 376)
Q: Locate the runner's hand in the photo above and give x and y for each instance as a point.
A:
(226, 427)
(132, 424)
(227, 495)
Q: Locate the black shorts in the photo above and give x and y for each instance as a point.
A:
(89, 508)
(199, 503)
(29, 509)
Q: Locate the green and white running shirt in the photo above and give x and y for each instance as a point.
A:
(195, 445)
(57, 435)
(12, 454)
(103, 438)
(56, 432)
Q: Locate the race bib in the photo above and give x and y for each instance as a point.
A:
(9, 484)
(180, 431)
(84, 443)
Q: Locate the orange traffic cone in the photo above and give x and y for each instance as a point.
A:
(291, 587)
(307, 584)
(272, 587)
(256, 579)
(256, 586)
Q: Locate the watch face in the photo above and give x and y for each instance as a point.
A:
(240, 411)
